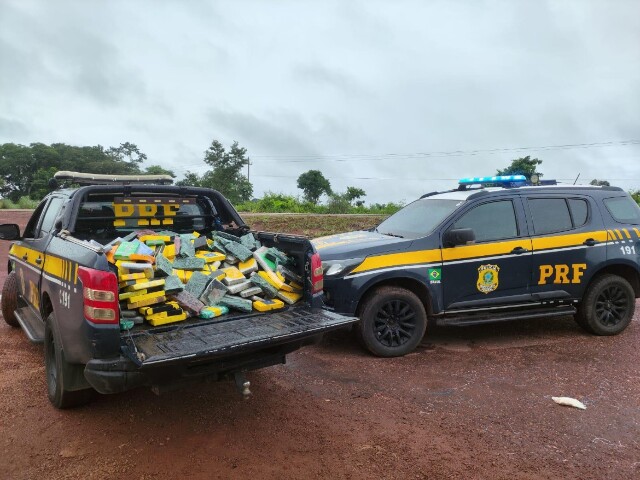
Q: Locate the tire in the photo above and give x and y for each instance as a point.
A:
(59, 372)
(607, 307)
(392, 322)
(10, 300)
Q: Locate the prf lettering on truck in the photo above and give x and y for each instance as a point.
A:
(141, 211)
(562, 273)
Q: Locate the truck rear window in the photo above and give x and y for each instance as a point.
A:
(104, 219)
(623, 209)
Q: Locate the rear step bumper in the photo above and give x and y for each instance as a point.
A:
(215, 349)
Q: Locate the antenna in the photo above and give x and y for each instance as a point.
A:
(574, 182)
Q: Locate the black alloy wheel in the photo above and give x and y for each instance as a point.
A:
(608, 306)
(393, 321)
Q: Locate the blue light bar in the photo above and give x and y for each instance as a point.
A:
(506, 179)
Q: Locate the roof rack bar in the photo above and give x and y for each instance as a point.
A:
(108, 179)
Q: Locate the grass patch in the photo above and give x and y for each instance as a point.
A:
(310, 225)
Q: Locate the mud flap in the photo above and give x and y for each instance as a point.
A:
(237, 335)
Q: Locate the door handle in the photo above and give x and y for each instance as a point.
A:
(519, 250)
(38, 260)
(25, 257)
(589, 242)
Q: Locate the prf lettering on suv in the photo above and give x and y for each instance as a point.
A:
(493, 249)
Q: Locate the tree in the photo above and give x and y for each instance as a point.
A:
(190, 179)
(599, 183)
(226, 176)
(26, 169)
(158, 170)
(313, 184)
(354, 193)
(127, 152)
(522, 166)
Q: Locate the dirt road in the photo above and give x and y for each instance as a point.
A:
(469, 403)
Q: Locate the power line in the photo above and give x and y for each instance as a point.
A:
(435, 154)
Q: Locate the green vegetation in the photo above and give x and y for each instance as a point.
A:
(280, 203)
(24, 202)
(314, 184)
(526, 166)
(26, 170)
(225, 175)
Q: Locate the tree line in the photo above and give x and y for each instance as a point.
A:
(25, 171)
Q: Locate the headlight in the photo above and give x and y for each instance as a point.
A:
(331, 268)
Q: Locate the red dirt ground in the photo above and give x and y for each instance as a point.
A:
(469, 403)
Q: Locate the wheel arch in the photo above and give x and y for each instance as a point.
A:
(46, 306)
(628, 272)
(412, 284)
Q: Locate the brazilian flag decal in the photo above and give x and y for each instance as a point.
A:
(435, 274)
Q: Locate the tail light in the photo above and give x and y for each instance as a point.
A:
(317, 279)
(100, 295)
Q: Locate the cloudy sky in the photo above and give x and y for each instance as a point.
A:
(398, 98)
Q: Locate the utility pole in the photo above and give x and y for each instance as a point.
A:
(249, 169)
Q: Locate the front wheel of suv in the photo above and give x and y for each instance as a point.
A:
(392, 322)
(607, 307)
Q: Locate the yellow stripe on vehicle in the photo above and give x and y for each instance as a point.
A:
(19, 252)
(484, 250)
(54, 266)
(571, 240)
(626, 232)
(398, 259)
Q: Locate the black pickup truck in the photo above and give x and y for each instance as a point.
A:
(63, 291)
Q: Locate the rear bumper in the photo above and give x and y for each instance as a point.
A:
(120, 374)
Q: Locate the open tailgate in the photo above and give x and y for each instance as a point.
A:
(239, 334)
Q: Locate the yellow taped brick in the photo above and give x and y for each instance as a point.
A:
(146, 285)
(131, 276)
(272, 278)
(211, 257)
(169, 319)
(289, 297)
(135, 293)
(266, 305)
(169, 251)
(146, 238)
(153, 298)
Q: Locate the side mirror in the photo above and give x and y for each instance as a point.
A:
(9, 231)
(458, 236)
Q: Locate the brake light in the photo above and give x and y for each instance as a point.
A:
(100, 295)
(317, 279)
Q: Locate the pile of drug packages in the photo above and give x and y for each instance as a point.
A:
(166, 277)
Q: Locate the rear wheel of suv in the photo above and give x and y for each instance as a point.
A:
(9, 300)
(607, 307)
(59, 372)
(392, 322)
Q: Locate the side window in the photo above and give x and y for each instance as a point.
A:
(623, 210)
(579, 211)
(490, 221)
(32, 225)
(51, 214)
(549, 215)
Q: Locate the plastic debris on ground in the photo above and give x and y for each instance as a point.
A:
(569, 402)
(165, 277)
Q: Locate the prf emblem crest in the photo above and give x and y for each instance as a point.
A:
(487, 278)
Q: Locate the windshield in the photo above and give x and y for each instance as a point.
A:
(419, 218)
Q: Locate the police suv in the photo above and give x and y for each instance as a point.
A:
(494, 249)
